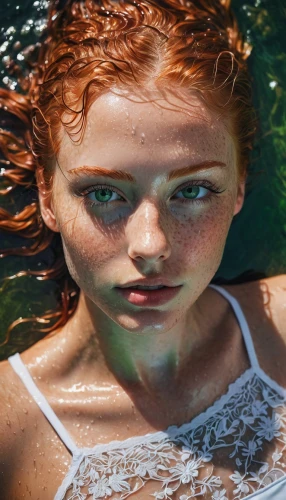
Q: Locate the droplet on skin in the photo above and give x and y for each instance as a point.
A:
(142, 140)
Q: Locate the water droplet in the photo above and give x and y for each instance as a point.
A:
(142, 140)
(273, 84)
(3, 47)
(9, 82)
(10, 31)
(6, 60)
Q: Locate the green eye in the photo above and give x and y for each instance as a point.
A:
(103, 195)
(190, 191)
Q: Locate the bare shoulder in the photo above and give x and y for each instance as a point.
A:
(9, 396)
(14, 409)
(264, 305)
(265, 296)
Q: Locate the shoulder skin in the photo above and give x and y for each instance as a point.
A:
(264, 305)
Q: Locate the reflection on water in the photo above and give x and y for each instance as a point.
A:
(257, 238)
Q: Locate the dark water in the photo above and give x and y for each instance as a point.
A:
(257, 238)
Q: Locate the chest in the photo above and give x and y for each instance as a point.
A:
(230, 451)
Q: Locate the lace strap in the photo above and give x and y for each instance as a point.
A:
(243, 325)
(21, 370)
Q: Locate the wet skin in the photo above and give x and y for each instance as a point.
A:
(116, 370)
(147, 229)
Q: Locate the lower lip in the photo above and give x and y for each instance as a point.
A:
(149, 297)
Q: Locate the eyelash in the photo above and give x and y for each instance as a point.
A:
(206, 184)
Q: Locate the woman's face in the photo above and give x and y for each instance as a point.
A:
(146, 222)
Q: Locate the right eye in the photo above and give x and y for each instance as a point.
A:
(101, 195)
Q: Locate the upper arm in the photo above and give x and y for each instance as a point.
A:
(10, 426)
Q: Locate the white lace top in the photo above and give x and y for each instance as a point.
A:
(243, 432)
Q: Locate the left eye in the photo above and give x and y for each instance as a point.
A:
(192, 192)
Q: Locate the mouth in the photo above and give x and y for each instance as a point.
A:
(140, 295)
(144, 287)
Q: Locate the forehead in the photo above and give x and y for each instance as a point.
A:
(121, 130)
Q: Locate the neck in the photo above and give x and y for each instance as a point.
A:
(153, 360)
(190, 364)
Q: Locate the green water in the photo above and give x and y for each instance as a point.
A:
(257, 238)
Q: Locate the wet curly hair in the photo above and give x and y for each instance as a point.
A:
(88, 48)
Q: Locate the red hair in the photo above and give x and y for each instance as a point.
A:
(92, 47)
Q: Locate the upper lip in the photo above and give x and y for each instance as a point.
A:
(149, 282)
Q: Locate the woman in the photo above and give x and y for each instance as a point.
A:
(156, 382)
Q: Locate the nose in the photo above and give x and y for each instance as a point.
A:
(146, 239)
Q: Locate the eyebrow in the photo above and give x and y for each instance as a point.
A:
(120, 175)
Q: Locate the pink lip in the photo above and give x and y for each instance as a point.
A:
(149, 297)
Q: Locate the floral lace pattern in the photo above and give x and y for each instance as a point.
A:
(183, 459)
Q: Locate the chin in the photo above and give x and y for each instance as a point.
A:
(148, 321)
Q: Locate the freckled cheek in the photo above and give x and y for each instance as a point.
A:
(202, 241)
(88, 250)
